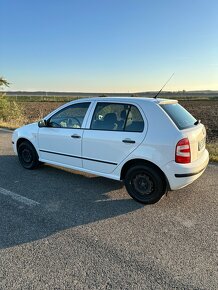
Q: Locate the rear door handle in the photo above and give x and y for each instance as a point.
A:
(75, 136)
(128, 141)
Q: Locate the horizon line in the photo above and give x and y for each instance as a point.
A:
(81, 92)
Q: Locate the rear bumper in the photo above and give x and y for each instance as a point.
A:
(180, 175)
(189, 174)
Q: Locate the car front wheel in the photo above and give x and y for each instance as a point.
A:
(28, 156)
(145, 184)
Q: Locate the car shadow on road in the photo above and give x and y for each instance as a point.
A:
(66, 199)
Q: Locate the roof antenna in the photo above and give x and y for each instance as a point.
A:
(155, 97)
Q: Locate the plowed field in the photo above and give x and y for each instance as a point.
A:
(205, 110)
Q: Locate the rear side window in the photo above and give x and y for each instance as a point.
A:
(134, 121)
(117, 117)
(179, 115)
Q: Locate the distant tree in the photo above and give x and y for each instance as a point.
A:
(4, 82)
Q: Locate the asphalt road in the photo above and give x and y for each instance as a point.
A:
(61, 229)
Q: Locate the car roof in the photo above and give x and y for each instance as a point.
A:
(138, 100)
(127, 99)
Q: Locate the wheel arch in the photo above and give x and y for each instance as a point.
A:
(21, 140)
(135, 162)
(33, 157)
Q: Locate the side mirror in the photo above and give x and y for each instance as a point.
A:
(42, 123)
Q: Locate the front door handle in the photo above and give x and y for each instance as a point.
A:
(128, 141)
(75, 136)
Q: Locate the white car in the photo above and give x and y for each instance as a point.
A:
(154, 145)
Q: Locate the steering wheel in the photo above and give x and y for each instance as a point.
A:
(54, 125)
(70, 122)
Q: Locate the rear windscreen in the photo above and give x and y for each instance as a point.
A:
(182, 118)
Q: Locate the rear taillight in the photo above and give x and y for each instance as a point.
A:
(183, 151)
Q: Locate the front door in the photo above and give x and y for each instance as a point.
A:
(60, 142)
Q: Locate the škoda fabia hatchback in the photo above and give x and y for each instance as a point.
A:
(153, 145)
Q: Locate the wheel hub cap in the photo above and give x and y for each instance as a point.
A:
(143, 184)
(26, 155)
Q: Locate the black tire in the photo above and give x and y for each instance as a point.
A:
(28, 156)
(145, 184)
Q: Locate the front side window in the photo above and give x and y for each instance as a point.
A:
(117, 117)
(71, 117)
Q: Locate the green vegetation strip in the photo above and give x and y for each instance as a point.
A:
(40, 99)
(51, 98)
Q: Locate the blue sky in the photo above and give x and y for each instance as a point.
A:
(109, 45)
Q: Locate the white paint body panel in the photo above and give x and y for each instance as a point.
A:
(110, 148)
(59, 140)
(29, 132)
(103, 152)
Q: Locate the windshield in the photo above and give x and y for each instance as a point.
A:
(179, 115)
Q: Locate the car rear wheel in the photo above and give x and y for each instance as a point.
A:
(28, 156)
(145, 184)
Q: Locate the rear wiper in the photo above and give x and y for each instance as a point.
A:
(197, 122)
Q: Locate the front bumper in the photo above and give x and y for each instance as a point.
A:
(180, 175)
(14, 141)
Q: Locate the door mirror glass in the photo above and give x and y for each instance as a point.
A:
(42, 123)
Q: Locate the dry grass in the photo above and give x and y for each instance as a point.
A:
(213, 151)
(10, 125)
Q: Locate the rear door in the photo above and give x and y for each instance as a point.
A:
(114, 131)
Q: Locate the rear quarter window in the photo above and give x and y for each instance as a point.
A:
(179, 115)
